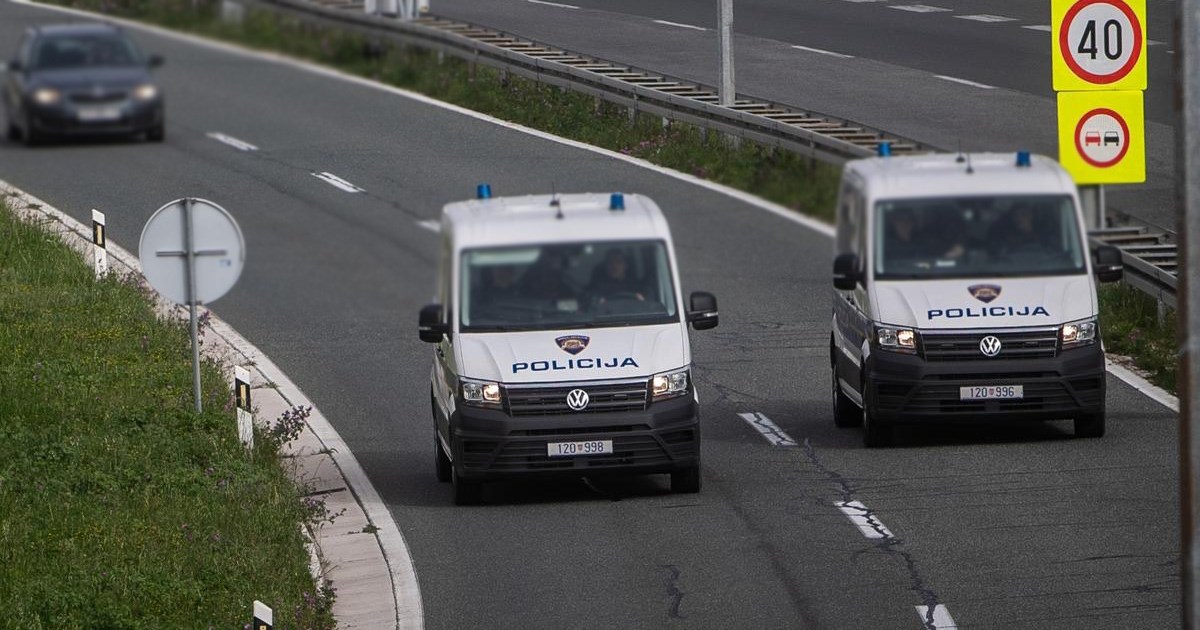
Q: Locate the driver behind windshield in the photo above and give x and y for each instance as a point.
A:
(612, 279)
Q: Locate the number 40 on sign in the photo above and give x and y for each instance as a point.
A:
(1098, 44)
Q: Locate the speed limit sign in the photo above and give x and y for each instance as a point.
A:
(1099, 44)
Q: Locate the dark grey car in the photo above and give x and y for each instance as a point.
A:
(81, 79)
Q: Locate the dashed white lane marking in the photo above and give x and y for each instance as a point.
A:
(823, 52)
(240, 145)
(678, 25)
(553, 4)
(1155, 42)
(432, 225)
(964, 82)
(1040, 27)
(941, 617)
(862, 518)
(337, 182)
(986, 17)
(768, 429)
(918, 8)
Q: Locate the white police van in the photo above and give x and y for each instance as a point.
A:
(964, 292)
(562, 342)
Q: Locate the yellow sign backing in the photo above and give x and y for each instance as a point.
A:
(1098, 44)
(1102, 136)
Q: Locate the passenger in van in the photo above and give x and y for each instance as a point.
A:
(499, 284)
(612, 279)
(905, 240)
(900, 240)
(1019, 231)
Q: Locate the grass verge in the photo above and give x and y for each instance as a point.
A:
(119, 506)
(800, 183)
(1131, 328)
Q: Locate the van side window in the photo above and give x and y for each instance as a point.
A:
(445, 288)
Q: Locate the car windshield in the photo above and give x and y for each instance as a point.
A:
(580, 285)
(977, 236)
(84, 51)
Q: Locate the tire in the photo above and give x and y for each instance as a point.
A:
(1090, 426)
(466, 492)
(845, 413)
(443, 463)
(876, 434)
(14, 132)
(31, 136)
(157, 133)
(686, 481)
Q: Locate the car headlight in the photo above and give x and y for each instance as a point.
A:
(46, 96)
(669, 384)
(482, 393)
(145, 92)
(1080, 333)
(897, 339)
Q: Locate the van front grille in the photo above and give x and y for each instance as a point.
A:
(605, 397)
(1016, 345)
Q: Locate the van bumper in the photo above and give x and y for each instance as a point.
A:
(907, 388)
(491, 445)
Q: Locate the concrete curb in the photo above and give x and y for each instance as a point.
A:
(361, 551)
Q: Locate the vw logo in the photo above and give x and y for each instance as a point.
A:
(989, 346)
(577, 400)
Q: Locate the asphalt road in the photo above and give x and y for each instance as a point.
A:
(1004, 526)
(905, 73)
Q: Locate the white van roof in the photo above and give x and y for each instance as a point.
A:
(501, 221)
(946, 175)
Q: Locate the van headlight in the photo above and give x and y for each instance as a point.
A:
(481, 393)
(896, 339)
(46, 96)
(145, 92)
(669, 384)
(1080, 333)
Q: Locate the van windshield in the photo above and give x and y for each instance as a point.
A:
(977, 236)
(577, 285)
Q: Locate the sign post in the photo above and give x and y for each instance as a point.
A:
(1099, 71)
(192, 252)
(727, 93)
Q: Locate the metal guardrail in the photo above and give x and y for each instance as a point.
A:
(1149, 256)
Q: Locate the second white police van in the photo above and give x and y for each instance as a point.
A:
(964, 291)
(562, 342)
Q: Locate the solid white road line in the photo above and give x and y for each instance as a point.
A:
(768, 429)
(1150, 390)
(986, 17)
(678, 25)
(964, 82)
(941, 617)
(337, 182)
(433, 225)
(553, 4)
(867, 523)
(918, 8)
(1040, 27)
(823, 52)
(240, 145)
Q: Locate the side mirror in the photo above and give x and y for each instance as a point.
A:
(703, 312)
(154, 61)
(1109, 267)
(430, 325)
(846, 274)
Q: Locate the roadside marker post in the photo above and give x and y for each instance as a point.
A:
(245, 416)
(264, 617)
(1187, 182)
(99, 243)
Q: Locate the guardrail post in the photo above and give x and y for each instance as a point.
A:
(725, 39)
(1187, 162)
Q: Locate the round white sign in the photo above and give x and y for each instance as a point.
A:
(217, 244)
(1101, 40)
(1102, 137)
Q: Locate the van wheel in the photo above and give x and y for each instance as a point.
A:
(876, 433)
(443, 462)
(14, 132)
(1090, 426)
(466, 492)
(686, 481)
(845, 412)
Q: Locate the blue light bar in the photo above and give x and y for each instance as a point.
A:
(616, 202)
(884, 149)
(1023, 159)
(483, 191)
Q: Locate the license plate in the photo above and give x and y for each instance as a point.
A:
(991, 392)
(572, 449)
(97, 114)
